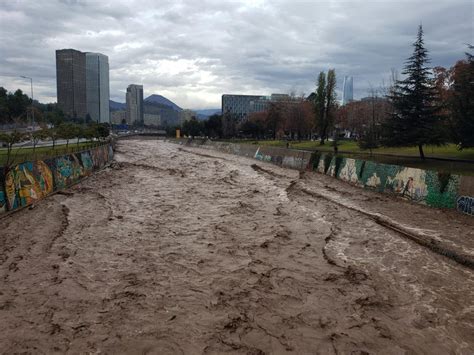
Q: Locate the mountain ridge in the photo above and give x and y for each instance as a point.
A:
(160, 99)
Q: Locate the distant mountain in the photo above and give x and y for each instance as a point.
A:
(116, 106)
(162, 101)
(208, 112)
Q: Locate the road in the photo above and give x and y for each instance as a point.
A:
(179, 250)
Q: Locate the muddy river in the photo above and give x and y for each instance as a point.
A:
(180, 250)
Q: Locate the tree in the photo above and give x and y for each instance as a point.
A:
(192, 127)
(229, 124)
(213, 126)
(319, 105)
(67, 131)
(415, 120)
(37, 136)
(461, 101)
(275, 117)
(10, 139)
(55, 117)
(255, 125)
(4, 111)
(370, 133)
(53, 133)
(103, 130)
(297, 117)
(325, 104)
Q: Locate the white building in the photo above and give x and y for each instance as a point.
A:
(97, 87)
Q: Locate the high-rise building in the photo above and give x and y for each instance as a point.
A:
(240, 106)
(83, 84)
(134, 99)
(347, 90)
(97, 87)
(71, 82)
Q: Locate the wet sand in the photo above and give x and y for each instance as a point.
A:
(178, 250)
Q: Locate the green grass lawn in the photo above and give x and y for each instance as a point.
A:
(446, 151)
(406, 156)
(26, 154)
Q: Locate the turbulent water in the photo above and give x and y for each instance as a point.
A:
(178, 250)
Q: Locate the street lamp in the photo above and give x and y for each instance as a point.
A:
(32, 108)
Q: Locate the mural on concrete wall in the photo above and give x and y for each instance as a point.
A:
(465, 204)
(428, 187)
(407, 182)
(28, 182)
(259, 155)
(324, 163)
(87, 163)
(348, 171)
(3, 201)
(65, 172)
(100, 156)
(299, 161)
(442, 189)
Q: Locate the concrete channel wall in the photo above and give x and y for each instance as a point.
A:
(428, 187)
(28, 182)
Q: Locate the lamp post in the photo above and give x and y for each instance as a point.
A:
(32, 108)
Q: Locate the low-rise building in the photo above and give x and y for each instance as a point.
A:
(152, 119)
(186, 115)
(118, 117)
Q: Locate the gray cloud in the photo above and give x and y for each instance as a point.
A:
(193, 52)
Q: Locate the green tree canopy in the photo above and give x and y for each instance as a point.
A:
(462, 101)
(415, 120)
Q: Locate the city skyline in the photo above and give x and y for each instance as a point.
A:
(215, 48)
(82, 84)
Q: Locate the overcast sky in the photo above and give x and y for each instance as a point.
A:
(194, 51)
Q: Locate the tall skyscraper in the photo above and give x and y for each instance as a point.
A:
(97, 87)
(347, 90)
(83, 84)
(71, 82)
(134, 98)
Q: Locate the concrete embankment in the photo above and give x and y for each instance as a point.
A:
(26, 183)
(428, 187)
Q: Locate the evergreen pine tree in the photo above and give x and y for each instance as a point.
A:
(415, 120)
(319, 105)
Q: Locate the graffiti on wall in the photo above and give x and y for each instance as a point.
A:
(348, 171)
(87, 163)
(68, 171)
(294, 162)
(423, 186)
(262, 157)
(442, 189)
(100, 156)
(465, 204)
(3, 201)
(27, 182)
(408, 183)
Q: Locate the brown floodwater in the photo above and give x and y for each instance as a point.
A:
(179, 250)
